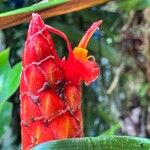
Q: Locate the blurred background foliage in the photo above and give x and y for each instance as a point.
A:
(118, 102)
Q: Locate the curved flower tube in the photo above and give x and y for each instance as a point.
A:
(50, 90)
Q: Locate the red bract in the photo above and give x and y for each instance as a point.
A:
(50, 89)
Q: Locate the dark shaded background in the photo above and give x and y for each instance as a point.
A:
(118, 102)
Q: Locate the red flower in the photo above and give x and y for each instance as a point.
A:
(50, 89)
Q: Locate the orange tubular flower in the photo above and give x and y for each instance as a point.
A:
(50, 89)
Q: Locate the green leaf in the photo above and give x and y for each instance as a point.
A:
(144, 89)
(9, 77)
(97, 143)
(11, 82)
(111, 131)
(33, 8)
(105, 116)
(4, 57)
(5, 117)
(110, 53)
(128, 5)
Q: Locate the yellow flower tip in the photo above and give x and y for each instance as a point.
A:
(82, 54)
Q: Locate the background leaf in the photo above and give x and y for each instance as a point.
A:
(111, 131)
(4, 58)
(9, 77)
(110, 53)
(128, 5)
(5, 115)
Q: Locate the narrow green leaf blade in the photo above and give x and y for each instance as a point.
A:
(97, 143)
(33, 8)
(111, 131)
(4, 63)
(11, 82)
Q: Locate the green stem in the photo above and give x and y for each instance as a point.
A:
(33, 8)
